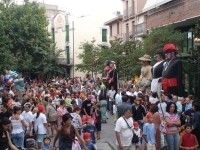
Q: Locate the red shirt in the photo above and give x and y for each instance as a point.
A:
(188, 140)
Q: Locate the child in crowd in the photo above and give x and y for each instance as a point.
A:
(138, 132)
(47, 144)
(188, 141)
(114, 113)
(188, 105)
(91, 129)
(83, 121)
(149, 132)
(98, 123)
(88, 143)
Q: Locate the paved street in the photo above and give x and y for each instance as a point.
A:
(107, 141)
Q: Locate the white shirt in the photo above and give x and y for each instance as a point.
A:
(164, 106)
(126, 133)
(39, 123)
(17, 125)
(28, 117)
(136, 93)
(111, 94)
(114, 109)
(12, 93)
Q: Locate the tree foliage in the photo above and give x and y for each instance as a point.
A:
(89, 57)
(25, 41)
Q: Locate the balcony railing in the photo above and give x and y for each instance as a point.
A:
(129, 36)
(131, 11)
(140, 29)
(125, 14)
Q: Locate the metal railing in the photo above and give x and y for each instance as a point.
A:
(129, 36)
(140, 29)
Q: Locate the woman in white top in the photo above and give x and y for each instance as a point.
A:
(40, 125)
(17, 122)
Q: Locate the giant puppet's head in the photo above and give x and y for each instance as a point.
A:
(170, 51)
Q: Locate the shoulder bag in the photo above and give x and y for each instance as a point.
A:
(163, 125)
(135, 138)
(75, 143)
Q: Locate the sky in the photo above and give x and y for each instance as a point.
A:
(86, 7)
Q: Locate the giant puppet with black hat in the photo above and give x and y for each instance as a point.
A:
(172, 78)
(156, 85)
(146, 75)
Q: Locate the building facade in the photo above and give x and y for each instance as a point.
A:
(70, 31)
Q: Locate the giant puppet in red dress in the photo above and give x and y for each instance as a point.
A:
(172, 78)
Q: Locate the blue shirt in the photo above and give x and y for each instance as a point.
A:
(90, 146)
(188, 106)
(196, 120)
(44, 147)
(90, 129)
(149, 130)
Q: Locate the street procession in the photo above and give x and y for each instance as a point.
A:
(132, 85)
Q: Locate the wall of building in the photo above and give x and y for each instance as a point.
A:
(85, 29)
(187, 9)
(114, 30)
(139, 5)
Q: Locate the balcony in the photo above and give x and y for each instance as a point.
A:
(131, 12)
(129, 36)
(63, 61)
(125, 14)
(140, 30)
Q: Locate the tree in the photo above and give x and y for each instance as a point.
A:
(160, 36)
(125, 56)
(24, 39)
(89, 57)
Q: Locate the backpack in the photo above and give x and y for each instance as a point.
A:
(30, 142)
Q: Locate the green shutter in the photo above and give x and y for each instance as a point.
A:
(53, 34)
(104, 35)
(67, 33)
(68, 54)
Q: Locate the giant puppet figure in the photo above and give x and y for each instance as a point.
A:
(156, 85)
(105, 73)
(146, 75)
(113, 76)
(172, 79)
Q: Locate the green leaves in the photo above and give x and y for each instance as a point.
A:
(24, 39)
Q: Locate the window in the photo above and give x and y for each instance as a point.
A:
(104, 35)
(118, 28)
(187, 42)
(67, 33)
(68, 54)
(110, 30)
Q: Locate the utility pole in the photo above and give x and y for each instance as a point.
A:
(73, 46)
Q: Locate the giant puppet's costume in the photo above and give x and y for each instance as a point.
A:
(113, 77)
(105, 73)
(172, 79)
(156, 85)
(146, 75)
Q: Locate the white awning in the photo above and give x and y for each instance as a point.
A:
(151, 4)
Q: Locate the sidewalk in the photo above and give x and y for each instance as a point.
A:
(105, 145)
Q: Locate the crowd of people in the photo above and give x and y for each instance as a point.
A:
(72, 110)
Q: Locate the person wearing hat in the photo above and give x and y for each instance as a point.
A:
(146, 75)
(172, 78)
(40, 125)
(149, 132)
(88, 143)
(157, 69)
